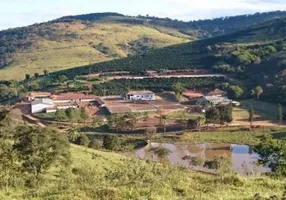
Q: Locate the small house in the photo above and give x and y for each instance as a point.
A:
(144, 95)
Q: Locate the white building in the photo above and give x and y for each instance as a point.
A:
(41, 105)
(144, 95)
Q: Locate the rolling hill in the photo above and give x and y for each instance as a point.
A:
(84, 39)
(228, 53)
(110, 176)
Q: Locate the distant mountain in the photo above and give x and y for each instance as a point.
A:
(79, 40)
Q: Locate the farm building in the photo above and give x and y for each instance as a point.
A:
(143, 95)
(63, 102)
(212, 100)
(73, 97)
(41, 105)
(217, 93)
(36, 95)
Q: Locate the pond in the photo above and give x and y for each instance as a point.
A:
(242, 157)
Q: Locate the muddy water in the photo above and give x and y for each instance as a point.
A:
(242, 157)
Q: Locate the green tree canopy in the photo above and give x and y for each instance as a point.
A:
(273, 154)
(235, 92)
(212, 115)
(40, 148)
(111, 142)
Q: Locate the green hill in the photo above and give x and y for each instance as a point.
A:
(84, 39)
(110, 176)
(227, 53)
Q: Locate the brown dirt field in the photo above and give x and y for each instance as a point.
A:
(117, 105)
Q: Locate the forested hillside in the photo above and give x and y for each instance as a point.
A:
(228, 53)
(255, 56)
(80, 40)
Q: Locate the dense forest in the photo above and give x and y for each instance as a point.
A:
(79, 40)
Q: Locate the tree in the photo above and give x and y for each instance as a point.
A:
(252, 93)
(225, 112)
(36, 75)
(10, 120)
(258, 91)
(178, 88)
(9, 167)
(40, 148)
(251, 116)
(122, 122)
(72, 115)
(235, 92)
(279, 114)
(150, 132)
(46, 72)
(83, 140)
(61, 115)
(34, 85)
(62, 78)
(111, 142)
(94, 144)
(84, 115)
(164, 119)
(273, 153)
(201, 121)
(130, 120)
(27, 77)
(73, 134)
(212, 115)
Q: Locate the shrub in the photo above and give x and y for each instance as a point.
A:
(217, 163)
(161, 151)
(197, 161)
(94, 144)
(111, 142)
(83, 140)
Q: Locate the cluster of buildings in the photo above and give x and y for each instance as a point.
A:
(133, 101)
(205, 98)
(47, 102)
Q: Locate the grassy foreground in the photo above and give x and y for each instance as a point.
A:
(110, 176)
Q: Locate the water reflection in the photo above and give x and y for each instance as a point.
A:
(242, 157)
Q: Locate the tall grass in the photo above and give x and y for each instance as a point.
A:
(110, 176)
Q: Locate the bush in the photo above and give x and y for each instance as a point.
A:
(197, 161)
(111, 142)
(94, 144)
(217, 163)
(83, 140)
(161, 151)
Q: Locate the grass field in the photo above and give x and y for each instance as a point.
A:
(118, 40)
(265, 110)
(109, 176)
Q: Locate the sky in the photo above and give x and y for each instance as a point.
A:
(15, 13)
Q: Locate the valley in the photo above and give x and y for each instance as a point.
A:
(111, 107)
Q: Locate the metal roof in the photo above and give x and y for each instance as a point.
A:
(43, 101)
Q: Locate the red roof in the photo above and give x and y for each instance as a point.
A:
(216, 92)
(72, 96)
(40, 94)
(193, 94)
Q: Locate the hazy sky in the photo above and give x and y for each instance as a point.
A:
(14, 13)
